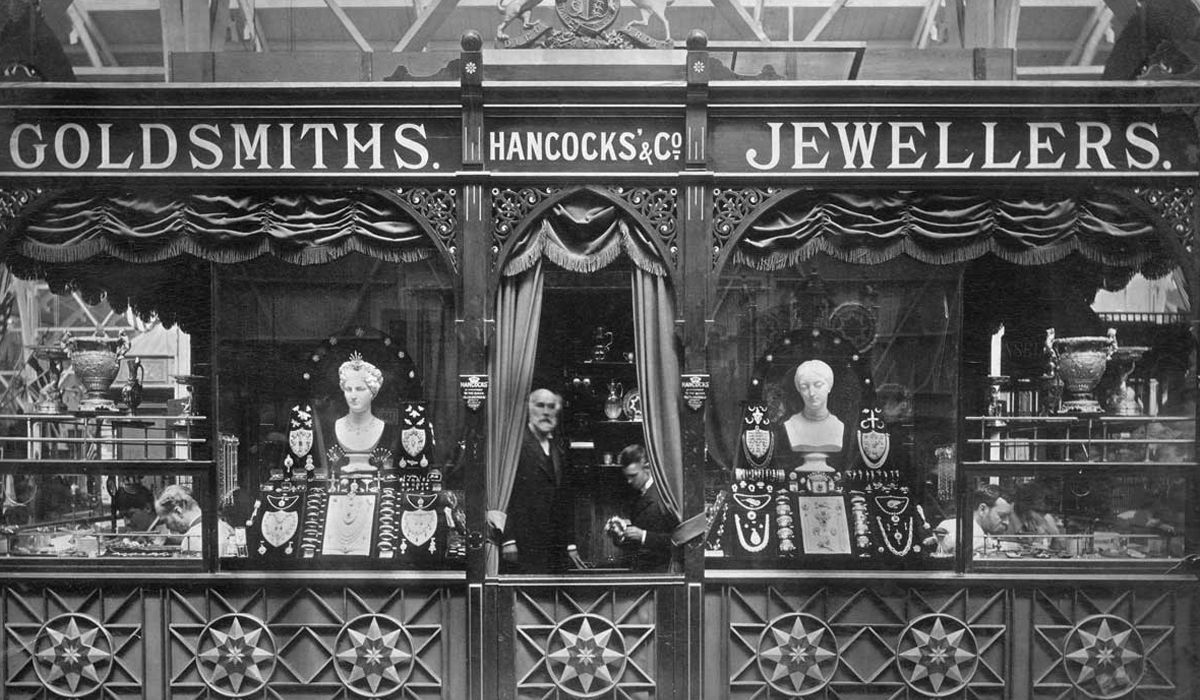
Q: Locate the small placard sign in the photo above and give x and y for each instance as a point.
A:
(474, 388)
(695, 390)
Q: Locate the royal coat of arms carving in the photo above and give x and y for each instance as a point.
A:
(587, 25)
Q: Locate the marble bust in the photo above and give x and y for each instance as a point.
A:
(814, 431)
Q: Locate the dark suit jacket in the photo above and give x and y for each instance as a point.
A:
(540, 510)
(648, 512)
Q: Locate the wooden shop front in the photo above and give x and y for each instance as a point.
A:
(669, 254)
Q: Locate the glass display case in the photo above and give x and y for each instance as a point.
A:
(85, 486)
(337, 397)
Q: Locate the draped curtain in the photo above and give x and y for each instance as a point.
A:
(658, 372)
(870, 228)
(518, 313)
(582, 236)
(304, 228)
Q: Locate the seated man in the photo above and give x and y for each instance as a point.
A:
(992, 507)
(179, 511)
(135, 504)
(647, 536)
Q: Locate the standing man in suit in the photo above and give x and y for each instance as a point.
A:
(539, 512)
(648, 536)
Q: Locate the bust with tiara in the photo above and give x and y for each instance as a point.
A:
(363, 442)
(814, 431)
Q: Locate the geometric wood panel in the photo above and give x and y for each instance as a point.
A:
(857, 642)
(77, 642)
(313, 643)
(196, 641)
(587, 641)
(1108, 643)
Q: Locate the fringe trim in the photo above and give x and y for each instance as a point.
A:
(540, 244)
(311, 255)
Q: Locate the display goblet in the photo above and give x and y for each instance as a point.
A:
(1080, 361)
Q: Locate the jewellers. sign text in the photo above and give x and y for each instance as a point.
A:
(952, 146)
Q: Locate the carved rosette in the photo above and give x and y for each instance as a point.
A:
(510, 207)
(73, 655)
(13, 204)
(1175, 206)
(438, 208)
(659, 207)
(374, 656)
(1105, 656)
(586, 655)
(731, 207)
(236, 655)
(937, 655)
(797, 654)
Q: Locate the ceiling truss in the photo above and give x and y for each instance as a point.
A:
(1050, 37)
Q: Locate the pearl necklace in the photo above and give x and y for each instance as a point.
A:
(760, 533)
(357, 429)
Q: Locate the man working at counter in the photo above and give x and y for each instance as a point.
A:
(992, 508)
(647, 533)
(179, 511)
(534, 532)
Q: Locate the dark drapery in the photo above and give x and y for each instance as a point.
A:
(584, 235)
(300, 228)
(870, 228)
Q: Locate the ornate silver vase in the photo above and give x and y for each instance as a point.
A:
(96, 360)
(1079, 362)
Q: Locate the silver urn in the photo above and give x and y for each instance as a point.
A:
(96, 360)
(1079, 362)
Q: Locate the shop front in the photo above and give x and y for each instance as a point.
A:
(852, 328)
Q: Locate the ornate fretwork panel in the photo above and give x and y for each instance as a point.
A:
(438, 208)
(389, 642)
(13, 204)
(731, 206)
(846, 641)
(1176, 207)
(510, 206)
(586, 642)
(1107, 644)
(659, 207)
(85, 643)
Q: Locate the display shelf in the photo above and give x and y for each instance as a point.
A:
(79, 439)
(107, 466)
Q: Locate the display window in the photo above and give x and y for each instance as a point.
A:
(833, 423)
(339, 415)
(1079, 444)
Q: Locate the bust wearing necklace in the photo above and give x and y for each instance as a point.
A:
(359, 433)
(814, 431)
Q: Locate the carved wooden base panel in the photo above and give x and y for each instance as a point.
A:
(1104, 644)
(857, 642)
(201, 642)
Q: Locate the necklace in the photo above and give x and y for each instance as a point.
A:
(810, 419)
(760, 532)
(351, 528)
(278, 527)
(889, 533)
(360, 428)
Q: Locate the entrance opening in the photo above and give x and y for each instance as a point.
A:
(586, 354)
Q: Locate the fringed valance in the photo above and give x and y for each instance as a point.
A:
(871, 228)
(304, 228)
(585, 236)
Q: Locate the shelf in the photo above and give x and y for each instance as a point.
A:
(95, 466)
(1013, 466)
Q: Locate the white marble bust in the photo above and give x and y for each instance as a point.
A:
(814, 431)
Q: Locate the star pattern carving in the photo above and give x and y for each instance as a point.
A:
(590, 655)
(382, 660)
(74, 655)
(1105, 656)
(797, 654)
(937, 659)
(236, 661)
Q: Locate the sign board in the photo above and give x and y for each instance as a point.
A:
(858, 146)
(607, 145)
(474, 389)
(159, 143)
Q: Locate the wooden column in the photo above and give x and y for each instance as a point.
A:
(475, 216)
(696, 257)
